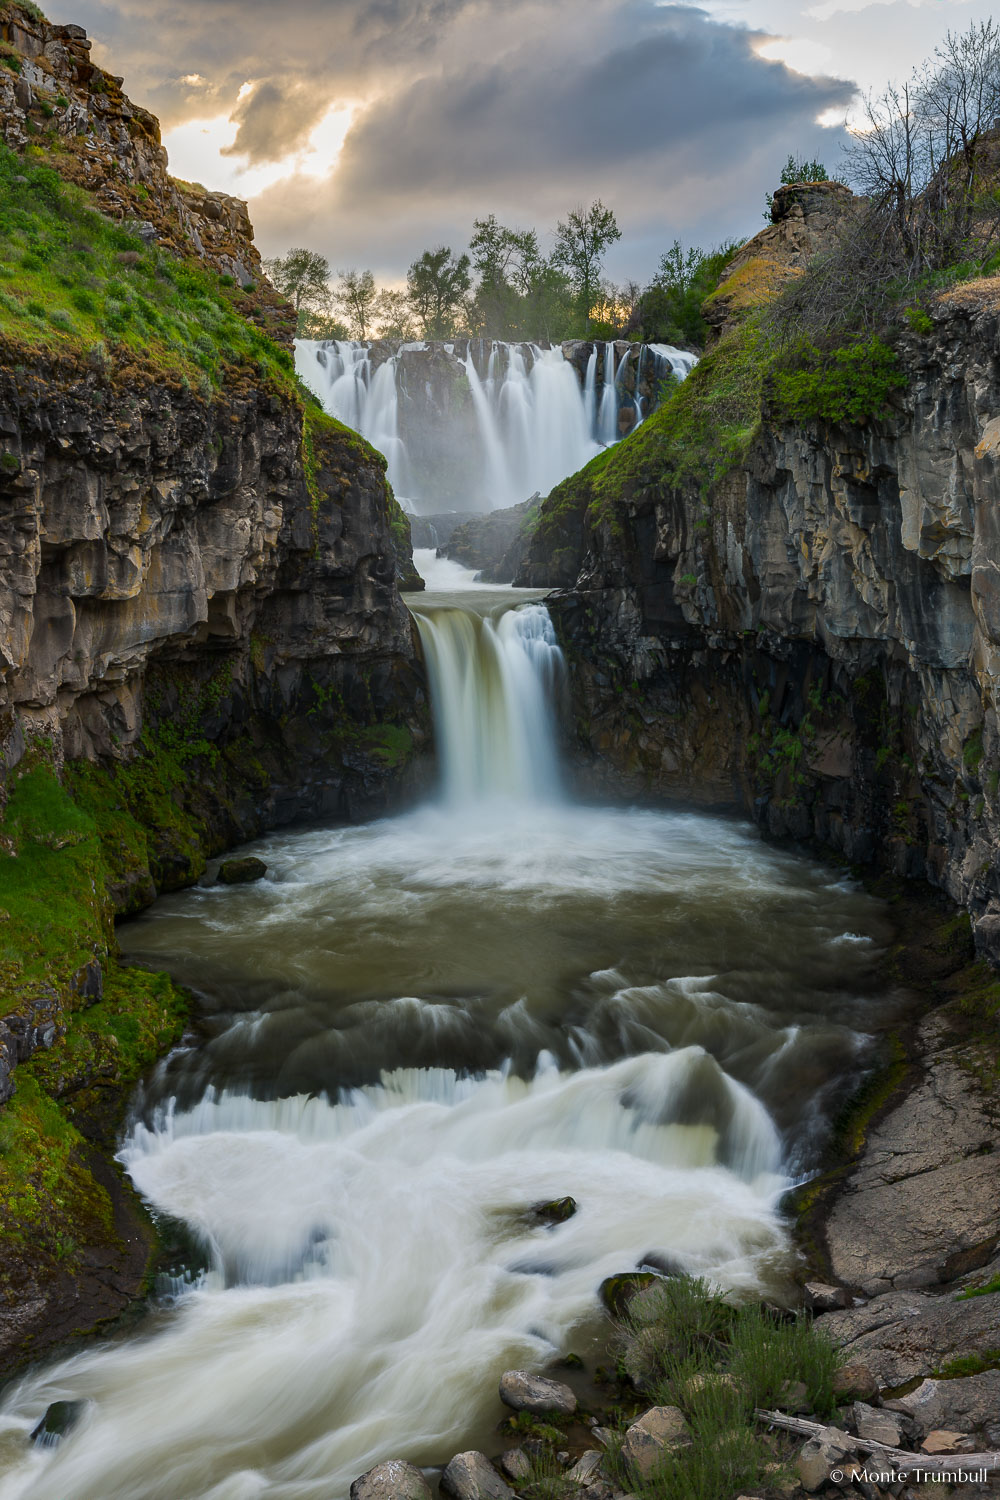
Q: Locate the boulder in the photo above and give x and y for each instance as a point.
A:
(963, 1404)
(821, 1298)
(393, 1480)
(877, 1424)
(556, 1212)
(616, 1292)
(904, 1336)
(943, 1441)
(242, 871)
(522, 1391)
(60, 1418)
(584, 1471)
(649, 1440)
(820, 1455)
(471, 1476)
(515, 1463)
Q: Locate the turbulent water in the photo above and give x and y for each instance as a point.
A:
(418, 1029)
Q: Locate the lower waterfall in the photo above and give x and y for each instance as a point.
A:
(413, 1031)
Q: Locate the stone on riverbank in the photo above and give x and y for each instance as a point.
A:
(904, 1336)
(965, 1403)
(652, 1437)
(471, 1476)
(393, 1480)
(522, 1391)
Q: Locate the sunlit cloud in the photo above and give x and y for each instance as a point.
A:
(200, 151)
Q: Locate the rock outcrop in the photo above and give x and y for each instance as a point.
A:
(52, 95)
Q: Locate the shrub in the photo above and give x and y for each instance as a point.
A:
(850, 384)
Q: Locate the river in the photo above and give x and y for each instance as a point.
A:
(419, 1028)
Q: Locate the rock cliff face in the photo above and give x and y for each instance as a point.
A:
(817, 640)
(151, 537)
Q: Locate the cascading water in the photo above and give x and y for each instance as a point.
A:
(532, 417)
(416, 1030)
(493, 684)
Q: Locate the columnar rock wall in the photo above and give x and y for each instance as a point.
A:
(819, 640)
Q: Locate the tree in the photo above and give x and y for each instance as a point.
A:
(303, 276)
(920, 153)
(355, 296)
(509, 264)
(435, 286)
(581, 240)
(393, 316)
(669, 310)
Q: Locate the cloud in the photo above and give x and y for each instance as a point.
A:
(274, 121)
(522, 107)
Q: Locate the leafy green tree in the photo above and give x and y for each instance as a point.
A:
(582, 239)
(669, 310)
(303, 276)
(393, 315)
(435, 287)
(355, 297)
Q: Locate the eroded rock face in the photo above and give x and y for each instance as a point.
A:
(163, 562)
(821, 643)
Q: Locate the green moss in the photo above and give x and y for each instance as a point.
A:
(986, 1290)
(968, 1364)
(972, 751)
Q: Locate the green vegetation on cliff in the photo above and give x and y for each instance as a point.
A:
(74, 283)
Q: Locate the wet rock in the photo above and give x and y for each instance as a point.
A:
(241, 871)
(661, 1263)
(522, 1391)
(616, 1292)
(471, 1476)
(970, 1401)
(877, 1424)
(653, 1436)
(556, 1212)
(393, 1480)
(88, 982)
(61, 1418)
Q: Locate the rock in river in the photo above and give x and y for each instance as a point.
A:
(522, 1391)
(241, 871)
(393, 1480)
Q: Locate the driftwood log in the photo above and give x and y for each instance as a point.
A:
(893, 1458)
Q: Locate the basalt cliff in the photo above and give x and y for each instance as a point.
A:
(814, 635)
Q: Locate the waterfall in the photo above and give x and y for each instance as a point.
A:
(493, 684)
(472, 436)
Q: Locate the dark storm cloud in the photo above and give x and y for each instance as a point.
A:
(521, 107)
(648, 84)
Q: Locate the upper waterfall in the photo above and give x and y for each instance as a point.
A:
(476, 425)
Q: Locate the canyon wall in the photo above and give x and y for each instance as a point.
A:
(816, 638)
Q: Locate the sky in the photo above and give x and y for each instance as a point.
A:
(371, 130)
